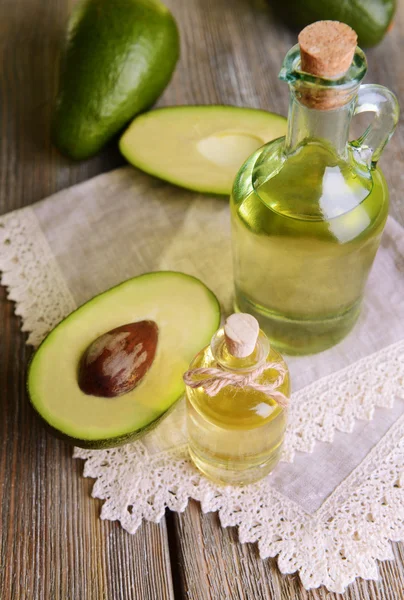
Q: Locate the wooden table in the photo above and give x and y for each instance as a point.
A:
(53, 546)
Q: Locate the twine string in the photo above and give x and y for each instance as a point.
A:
(212, 380)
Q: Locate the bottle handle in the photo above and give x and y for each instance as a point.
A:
(379, 100)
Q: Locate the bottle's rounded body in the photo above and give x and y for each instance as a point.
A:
(235, 437)
(305, 231)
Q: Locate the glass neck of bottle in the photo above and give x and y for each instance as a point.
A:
(330, 127)
(229, 362)
(321, 109)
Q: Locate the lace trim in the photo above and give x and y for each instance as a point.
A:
(333, 546)
(336, 401)
(32, 276)
(339, 542)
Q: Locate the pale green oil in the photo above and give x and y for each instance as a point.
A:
(305, 231)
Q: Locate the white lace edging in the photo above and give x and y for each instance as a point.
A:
(31, 275)
(336, 401)
(339, 542)
(333, 546)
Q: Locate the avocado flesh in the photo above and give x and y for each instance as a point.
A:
(198, 147)
(118, 59)
(187, 314)
(369, 18)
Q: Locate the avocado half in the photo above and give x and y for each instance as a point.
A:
(119, 57)
(198, 147)
(187, 314)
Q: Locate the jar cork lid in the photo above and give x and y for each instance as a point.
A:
(241, 333)
(327, 48)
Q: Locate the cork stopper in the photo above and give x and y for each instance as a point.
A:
(327, 48)
(241, 333)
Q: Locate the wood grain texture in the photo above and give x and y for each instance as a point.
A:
(53, 546)
(215, 566)
(52, 543)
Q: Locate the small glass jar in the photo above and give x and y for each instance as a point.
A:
(235, 435)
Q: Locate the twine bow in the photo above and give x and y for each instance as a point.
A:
(212, 380)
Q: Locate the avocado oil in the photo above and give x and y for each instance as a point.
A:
(308, 210)
(235, 435)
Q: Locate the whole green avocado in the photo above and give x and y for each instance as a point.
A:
(119, 57)
(369, 18)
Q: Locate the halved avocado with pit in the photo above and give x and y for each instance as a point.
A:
(186, 313)
(198, 147)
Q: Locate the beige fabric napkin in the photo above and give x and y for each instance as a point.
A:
(119, 225)
(64, 250)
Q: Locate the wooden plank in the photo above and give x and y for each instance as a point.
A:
(52, 542)
(215, 566)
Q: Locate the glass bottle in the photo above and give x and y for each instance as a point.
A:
(308, 210)
(235, 434)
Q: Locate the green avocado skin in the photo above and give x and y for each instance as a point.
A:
(369, 18)
(119, 57)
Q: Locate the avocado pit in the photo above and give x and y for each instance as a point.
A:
(116, 362)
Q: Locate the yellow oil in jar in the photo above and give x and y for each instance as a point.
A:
(236, 436)
(304, 240)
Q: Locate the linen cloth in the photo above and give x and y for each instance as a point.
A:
(329, 510)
